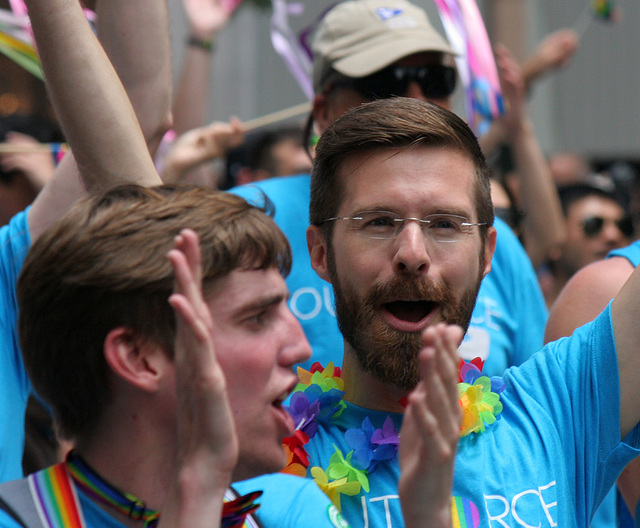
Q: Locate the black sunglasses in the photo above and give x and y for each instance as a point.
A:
(436, 81)
(593, 225)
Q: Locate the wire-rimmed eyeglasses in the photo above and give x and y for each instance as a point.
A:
(440, 227)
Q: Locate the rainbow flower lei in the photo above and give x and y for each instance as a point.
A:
(319, 396)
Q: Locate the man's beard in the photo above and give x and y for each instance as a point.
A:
(388, 354)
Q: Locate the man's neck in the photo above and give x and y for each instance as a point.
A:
(133, 456)
(364, 390)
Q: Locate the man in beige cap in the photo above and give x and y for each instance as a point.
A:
(374, 49)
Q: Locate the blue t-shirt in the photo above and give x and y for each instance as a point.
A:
(548, 461)
(292, 502)
(630, 252)
(606, 515)
(94, 515)
(14, 384)
(508, 321)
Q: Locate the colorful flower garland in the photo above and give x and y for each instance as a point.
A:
(319, 396)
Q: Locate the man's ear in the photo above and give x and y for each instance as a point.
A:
(320, 111)
(140, 362)
(489, 249)
(317, 246)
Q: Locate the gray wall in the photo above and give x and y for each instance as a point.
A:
(589, 107)
(595, 107)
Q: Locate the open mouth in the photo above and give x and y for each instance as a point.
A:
(410, 311)
(281, 399)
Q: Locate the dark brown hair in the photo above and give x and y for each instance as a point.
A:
(104, 265)
(398, 122)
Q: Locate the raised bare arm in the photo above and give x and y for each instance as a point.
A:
(92, 106)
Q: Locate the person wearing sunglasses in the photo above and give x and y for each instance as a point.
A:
(365, 50)
(597, 222)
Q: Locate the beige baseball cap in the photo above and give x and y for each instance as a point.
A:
(360, 37)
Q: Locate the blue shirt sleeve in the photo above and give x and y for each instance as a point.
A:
(14, 383)
(292, 502)
(630, 252)
(581, 394)
(6, 521)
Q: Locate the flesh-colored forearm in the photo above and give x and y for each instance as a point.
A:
(135, 35)
(544, 226)
(90, 102)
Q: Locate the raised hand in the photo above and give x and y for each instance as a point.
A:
(207, 17)
(36, 166)
(429, 434)
(513, 89)
(554, 51)
(208, 446)
(200, 145)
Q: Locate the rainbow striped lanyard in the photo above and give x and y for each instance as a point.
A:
(55, 492)
(56, 499)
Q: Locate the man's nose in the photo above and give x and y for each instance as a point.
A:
(411, 253)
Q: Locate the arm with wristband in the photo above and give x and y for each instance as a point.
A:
(206, 18)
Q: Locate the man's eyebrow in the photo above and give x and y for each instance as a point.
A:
(387, 208)
(261, 303)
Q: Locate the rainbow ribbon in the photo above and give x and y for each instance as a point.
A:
(16, 37)
(20, 52)
(55, 498)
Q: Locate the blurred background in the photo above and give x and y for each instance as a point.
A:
(589, 107)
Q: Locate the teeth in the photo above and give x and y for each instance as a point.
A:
(284, 395)
(281, 399)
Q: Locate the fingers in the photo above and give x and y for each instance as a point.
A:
(237, 132)
(185, 259)
(510, 74)
(218, 137)
(433, 411)
(187, 299)
(430, 431)
(206, 431)
(194, 351)
(439, 371)
(20, 139)
(187, 241)
(36, 166)
(558, 48)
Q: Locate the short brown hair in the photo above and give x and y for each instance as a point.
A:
(391, 123)
(104, 265)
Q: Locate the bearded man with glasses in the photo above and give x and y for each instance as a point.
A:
(377, 49)
(402, 227)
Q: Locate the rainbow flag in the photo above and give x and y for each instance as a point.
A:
(476, 65)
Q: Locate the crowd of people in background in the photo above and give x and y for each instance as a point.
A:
(164, 277)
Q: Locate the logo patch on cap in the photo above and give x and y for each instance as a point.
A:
(385, 13)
